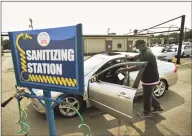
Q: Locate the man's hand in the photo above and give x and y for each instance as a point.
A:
(128, 57)
(121, 70)
(130, 69)
(132, 57)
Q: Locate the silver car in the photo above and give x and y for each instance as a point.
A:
(109, 93)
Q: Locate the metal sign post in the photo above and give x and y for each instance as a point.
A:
(50, 114)
(50, 60)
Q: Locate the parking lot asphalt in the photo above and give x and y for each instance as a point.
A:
(175, 120)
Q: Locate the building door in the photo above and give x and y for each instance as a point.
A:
(129, 46)
(108, 46)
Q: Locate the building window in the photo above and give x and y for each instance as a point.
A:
(119, 45)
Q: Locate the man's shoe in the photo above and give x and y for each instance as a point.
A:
(144, 115)
(158, 110)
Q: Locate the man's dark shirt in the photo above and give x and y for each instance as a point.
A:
(150, 73)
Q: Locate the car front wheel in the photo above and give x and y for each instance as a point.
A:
(65, 110)
(160, 89)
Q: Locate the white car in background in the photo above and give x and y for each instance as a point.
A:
(163, 54)
(185, 50)
(187, 43)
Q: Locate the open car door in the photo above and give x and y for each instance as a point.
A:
(115, 99)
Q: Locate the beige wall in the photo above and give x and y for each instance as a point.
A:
(94, 45)
(116, 41)
(97, 44)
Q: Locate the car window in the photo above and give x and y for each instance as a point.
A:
(186, 43)
(170, 50)
(113, 78)
(187, 47)
(120, 60)
(110, 63)
(91, 63)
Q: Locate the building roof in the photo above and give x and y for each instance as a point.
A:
(115, 36)
(6, 34)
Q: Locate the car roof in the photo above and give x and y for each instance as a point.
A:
(177, 46)
(114, 55)
(157, 47)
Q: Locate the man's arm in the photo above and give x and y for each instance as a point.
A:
(130, 69)
(136, 57)
(132, 57)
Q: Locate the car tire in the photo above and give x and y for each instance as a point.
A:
(64, 110)
(183, 54)
(160, 89)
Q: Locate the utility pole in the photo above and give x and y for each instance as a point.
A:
(181, 38)
(185, 34)
(31, 23)
(108, 31)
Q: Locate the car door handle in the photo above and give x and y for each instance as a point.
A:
(122, 94)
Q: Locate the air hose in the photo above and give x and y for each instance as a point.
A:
(22, 119)
(83, 124)
(82, 120)
(126, 131)
(25, 126)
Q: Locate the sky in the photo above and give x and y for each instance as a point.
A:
(96, 17)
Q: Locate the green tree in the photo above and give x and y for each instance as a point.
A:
(5, 44)
(165, 37)
(1, 43)
(188, 35)
(171, 37)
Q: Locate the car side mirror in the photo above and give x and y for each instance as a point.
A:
(94, 78)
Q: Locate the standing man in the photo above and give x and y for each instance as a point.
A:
(149, 79)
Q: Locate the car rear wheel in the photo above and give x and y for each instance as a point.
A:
(160, 89)
(183, 54)
(65, 110)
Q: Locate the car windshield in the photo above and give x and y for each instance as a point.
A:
(170, 50)
(176, 47)
(186, 43)
(91, 63)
